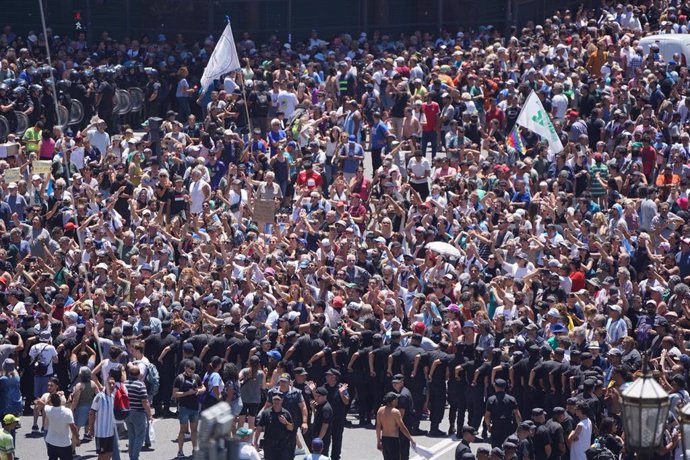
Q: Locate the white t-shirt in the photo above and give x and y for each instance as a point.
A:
(560, 103)
(287, 102)
(77, 158)
(99, 140)
(59, 420)
(584, 440)
(419, 168)
(47, 352)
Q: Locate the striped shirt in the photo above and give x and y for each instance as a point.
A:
(136, 390)
(103, 405)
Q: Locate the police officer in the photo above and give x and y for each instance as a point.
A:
(406, 408)
(293, 402)
(414, 360)
(437, 386)
(502, 414)
(339, 399)
(469, 434)
(456, 394)
(525, 449)
(542, 440)
(555, 429)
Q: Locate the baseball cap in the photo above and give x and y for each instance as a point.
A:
(9, 419)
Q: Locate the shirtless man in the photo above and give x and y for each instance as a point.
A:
(389, 423)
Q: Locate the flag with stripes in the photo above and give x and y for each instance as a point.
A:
(515, 140)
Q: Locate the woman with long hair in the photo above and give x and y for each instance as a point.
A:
(252, 379)
(183, 93)
(213, 383)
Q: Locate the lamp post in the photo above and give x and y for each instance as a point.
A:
(684, 421)
(645, 408)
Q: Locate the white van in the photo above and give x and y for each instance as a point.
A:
(669, 44)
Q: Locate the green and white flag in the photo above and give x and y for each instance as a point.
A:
(536, 119)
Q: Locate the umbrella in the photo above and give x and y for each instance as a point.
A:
(444, 249)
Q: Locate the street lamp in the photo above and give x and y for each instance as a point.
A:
(684, 420)
(645, 408)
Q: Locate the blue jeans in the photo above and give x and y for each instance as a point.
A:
(136, 431)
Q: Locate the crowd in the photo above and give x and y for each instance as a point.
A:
(349, 226)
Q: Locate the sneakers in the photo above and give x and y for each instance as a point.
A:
(181, 454)
(34, 429)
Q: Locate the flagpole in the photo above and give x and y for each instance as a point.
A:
(246, 106)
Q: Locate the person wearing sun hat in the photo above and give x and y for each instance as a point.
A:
(247, 449)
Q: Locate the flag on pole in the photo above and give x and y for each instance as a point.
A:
(223, 60)
(536, 119)
(515, 141)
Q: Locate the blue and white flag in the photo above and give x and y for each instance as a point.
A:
(223, 60)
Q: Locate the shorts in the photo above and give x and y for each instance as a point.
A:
(236, 407)
(185, 414)
(105, 445)
(250, 409)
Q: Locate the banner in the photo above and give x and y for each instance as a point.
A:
(536, 119)
(223, 59)
(12, 175)
(515, 141)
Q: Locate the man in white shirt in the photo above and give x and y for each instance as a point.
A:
(97, 136)
(61, 427)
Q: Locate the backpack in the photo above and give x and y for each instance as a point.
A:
(152, 380)
(121, 405)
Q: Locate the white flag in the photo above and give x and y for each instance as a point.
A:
(534, 117)
(223, 59)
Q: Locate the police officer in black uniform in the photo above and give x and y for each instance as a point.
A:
(339, 399)
(438, 373)
(542, 439)
(406, 408)
(555, 429)
(502, 414)
(469, 434)
(456, 387)
(413, 361)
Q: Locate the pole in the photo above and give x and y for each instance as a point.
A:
(50, 62)
(439, 13)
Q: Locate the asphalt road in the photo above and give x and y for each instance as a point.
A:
(358, 444)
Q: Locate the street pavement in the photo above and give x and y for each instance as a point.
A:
(358, 443)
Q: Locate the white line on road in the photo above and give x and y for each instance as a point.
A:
(446, 443)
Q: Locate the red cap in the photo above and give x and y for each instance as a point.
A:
(418, 327)
(70, 226)
(338, 302)
(598, 157)
(682, 202)
(573, 114)
(356, 195)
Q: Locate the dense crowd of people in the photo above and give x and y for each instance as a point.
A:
(344, 227)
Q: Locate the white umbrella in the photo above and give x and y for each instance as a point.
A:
(444, 249)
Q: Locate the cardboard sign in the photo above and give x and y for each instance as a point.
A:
(10, 149)
(41, 166)
(264, 211)
(12, 175)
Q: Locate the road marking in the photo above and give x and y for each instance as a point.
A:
(446, 443)
(447, 449)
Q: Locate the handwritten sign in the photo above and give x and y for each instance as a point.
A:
(12, 175)
(264, 211)
(41, 166)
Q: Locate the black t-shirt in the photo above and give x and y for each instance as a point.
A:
(541, 440)
(501, 406)
(275, 433)
(405, 403)
(184, 383)
(107, 92)
(399, 104)
(323, 414)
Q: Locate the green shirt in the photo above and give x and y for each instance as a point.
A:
(32, 136)
(6, 446)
